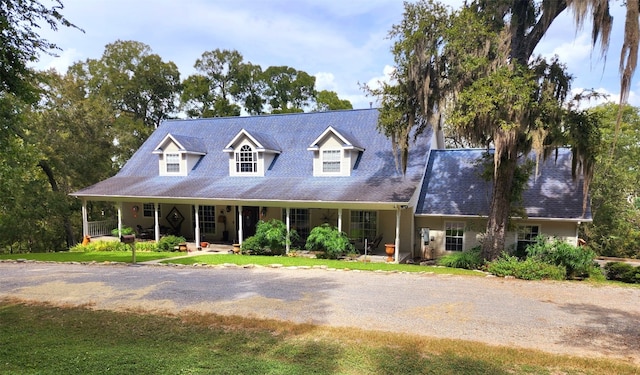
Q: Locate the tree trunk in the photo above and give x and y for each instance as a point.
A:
(46, 168)
(500, 209)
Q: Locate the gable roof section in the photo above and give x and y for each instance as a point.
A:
(453, 187)
(184, 143)
(290, 177)
(348, 140)
(264, 142)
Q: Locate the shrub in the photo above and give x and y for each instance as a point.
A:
(469, 259)
(125, 230)
(146, 246)
(253, 245)
(330, 240)
(578, 261)
(101, 246)
(528, 269)
(270, 238)
(620, 271)
(168, 243)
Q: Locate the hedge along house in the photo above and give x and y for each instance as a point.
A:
(214, 179)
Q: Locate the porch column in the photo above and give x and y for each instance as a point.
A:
(397, 260)
(197, 229)
(120, 219)
(85, 222)
(288, 222)
(156, 222)
(340, 219)
(413, 234)
(577, 242)
(240, 225)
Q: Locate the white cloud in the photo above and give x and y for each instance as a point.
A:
(62, 61)
(376, 82)
(325, 81)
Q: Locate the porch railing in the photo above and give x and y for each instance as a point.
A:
(101, 228)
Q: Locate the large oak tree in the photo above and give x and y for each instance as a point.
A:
(477, 66)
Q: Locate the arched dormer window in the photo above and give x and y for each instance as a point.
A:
(251, 154)
(246, 160)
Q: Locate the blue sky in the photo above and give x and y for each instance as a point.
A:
(342, 42)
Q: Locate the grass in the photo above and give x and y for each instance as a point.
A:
(311, 262)
(142, 256)
(97, 256)
(42, 339)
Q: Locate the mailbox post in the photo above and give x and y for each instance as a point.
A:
(130, 239)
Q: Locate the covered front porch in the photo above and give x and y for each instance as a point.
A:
(369, 227)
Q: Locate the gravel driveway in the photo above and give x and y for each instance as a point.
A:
(560, 317)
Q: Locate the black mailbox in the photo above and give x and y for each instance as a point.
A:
(128, 238)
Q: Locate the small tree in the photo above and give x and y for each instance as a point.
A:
(330, 240)
(270, 235)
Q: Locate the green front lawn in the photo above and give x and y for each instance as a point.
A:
(241, 260)
(97, 256)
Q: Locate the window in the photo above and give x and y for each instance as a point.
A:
(364, 224)
(454, 236)
(173, 163)
(246, 160)
(207, 216)
(331, 161)
(148, 210)
(299, 220)
(526, 236)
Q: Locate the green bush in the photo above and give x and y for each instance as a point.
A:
(125, 230)
(330, 240)
(270, 238)
(578, 261)
(101, 246)
(168, 243)
(253, 246)
(528, 269)
(146, 246)
(470, 259)
(625, 272)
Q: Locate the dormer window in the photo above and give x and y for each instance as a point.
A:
(335, 153)
(173, 163)
(178, 154)
(331, 161)
(246, 160)
(251, 154)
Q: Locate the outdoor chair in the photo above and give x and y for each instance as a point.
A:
(373, 245)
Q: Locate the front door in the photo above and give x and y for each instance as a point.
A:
(249, 221)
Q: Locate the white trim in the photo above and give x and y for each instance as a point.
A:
(259, 147)
(156, 221)
(159, 150)
(346, 144)
(239, 212)
(196, 208)
(578, 220)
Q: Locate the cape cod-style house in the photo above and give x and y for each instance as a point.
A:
(213, 179)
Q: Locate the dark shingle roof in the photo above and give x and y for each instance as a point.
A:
(191, 144)
(290, 177)
(453, 186)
